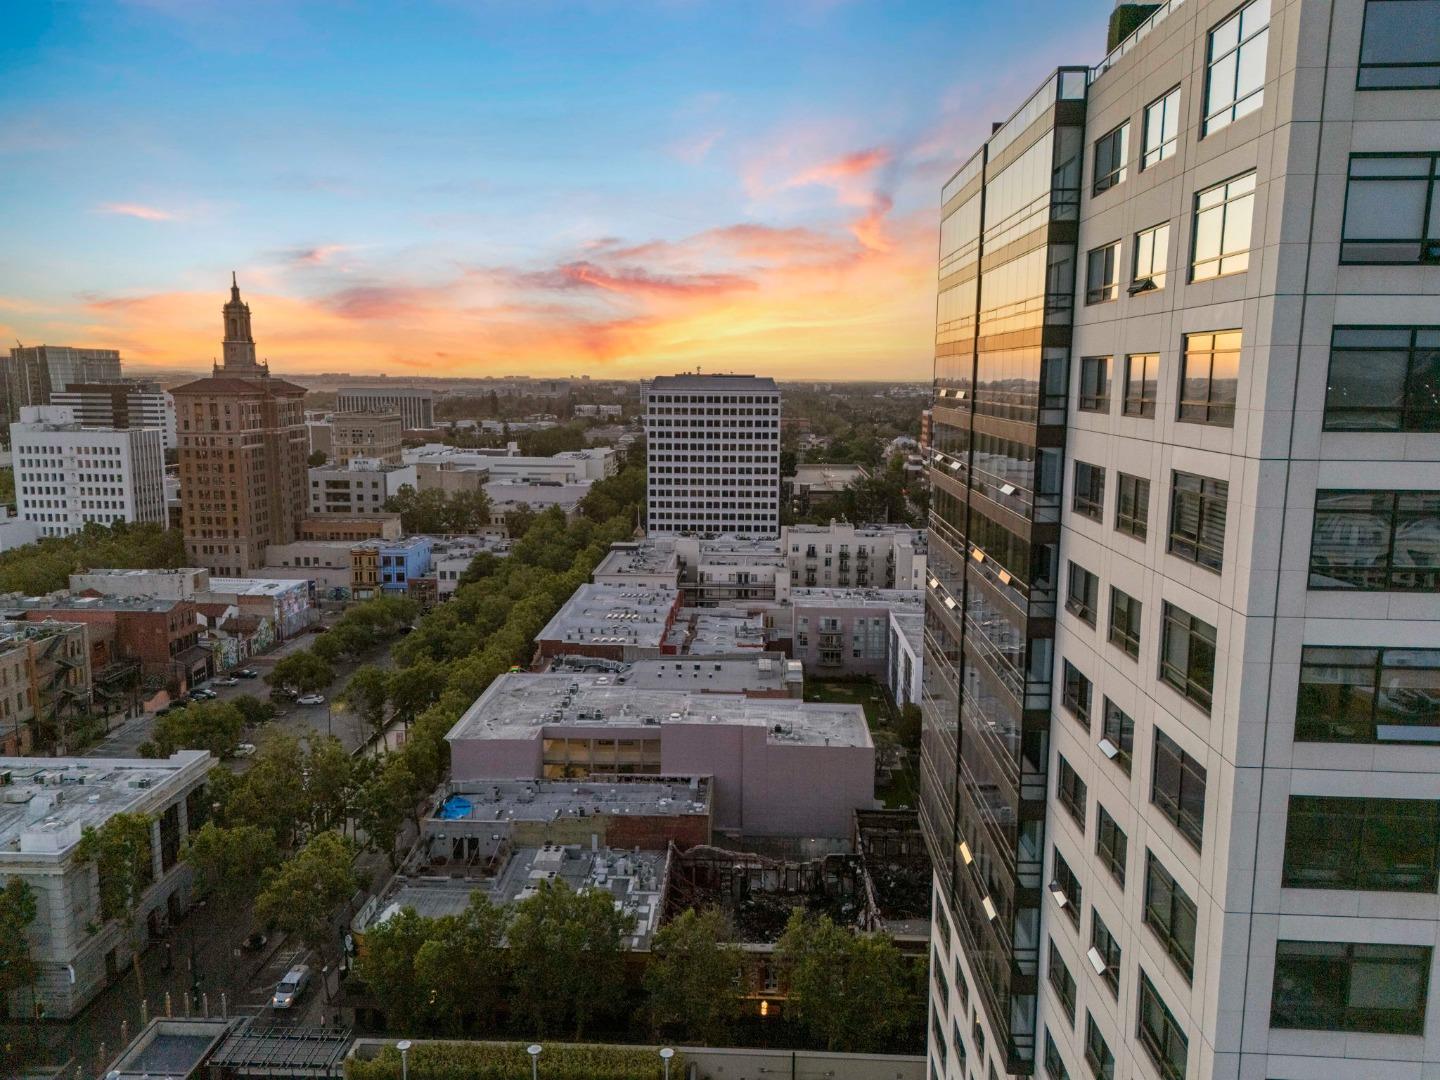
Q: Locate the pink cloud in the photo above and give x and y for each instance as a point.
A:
(136, 210)
(838, 171)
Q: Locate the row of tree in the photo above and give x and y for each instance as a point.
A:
(35, 569)
(436, 512)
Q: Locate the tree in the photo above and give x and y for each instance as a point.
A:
(302, 670)
(387, 965)
(565, 953)
(907, 727)
(519, 520)
(385, 801)
(414, 689)
(304, 895)
(694, 978)
(201, 725)
(849, 991)
(330, 783)
(254, 711)
(317, 458)
(271, 794)
(230, 864)
(18, 909)
(120, 852)
(368, 692)
(460, 969)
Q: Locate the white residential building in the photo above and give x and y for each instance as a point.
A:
(1181, 750)
(713, 447)
(361, 487)
(842, 555)
(67, 476)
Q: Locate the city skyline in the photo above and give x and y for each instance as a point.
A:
(463, 210)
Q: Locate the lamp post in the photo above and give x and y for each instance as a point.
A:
(534, 1051)
(404, 1047)
(666, 1053)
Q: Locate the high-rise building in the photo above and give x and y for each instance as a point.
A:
(415, 404)
(1179, 751)
(243, 450)
(34, 372)
(713, 455)
(127, 403)
(373, 435)
(68, 476)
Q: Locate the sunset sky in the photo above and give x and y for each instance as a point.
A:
(456, 188)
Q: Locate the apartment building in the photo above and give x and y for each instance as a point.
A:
(713, 449)
(1179, 772)
(415, 406)
(44, 684)
(126, 404)
(865, 556)
(360, 487)
(68, 476)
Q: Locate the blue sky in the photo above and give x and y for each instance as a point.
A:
(485, 188)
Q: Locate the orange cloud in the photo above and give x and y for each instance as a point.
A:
(136, 210)
(839, 170)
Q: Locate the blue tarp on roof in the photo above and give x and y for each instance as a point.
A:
(454, 808)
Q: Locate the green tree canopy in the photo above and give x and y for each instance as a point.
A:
(200, 725)
(230, 863)
(17, 911)
(695, 977)
(304, 895)
(302, 670)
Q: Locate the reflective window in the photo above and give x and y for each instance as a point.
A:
(1162, 129)
(1064, 882)
(1142, 372)
(1160, 1033)
(1083, 597)
(1111, 150)
(1187, 655)
(1107, 949)
(1338, 986)
(1390, 209)
(1170, 915)
(1094, 384)
(1054, 1064)
(1376, 541)
(1070, 790)
(1209, 378)
(1061, 981)
(1388, 845)
(1097, 1051)
(1223, 215)
(1076, 693)
(1102, 274)
(1384, 378)
(1368, 695)
(1235, 70)
(1132, 505)
(1152, 248)
(1125, 622)
(1400, 49)
(1197, 519)
(1110, 844)
(1118, 729)
(1177, 788)
(1089, 496)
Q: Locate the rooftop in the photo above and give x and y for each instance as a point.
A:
(912, 625)
(912, 600)
(707, 631)
(47, 802)
(15, 633)
(750, 384)
(249, 586)
(548, 800)
(513, 492)
(644, 557)
(613, 615)
(70, 602)
(520, 705)
(829, 477)
(766, 673)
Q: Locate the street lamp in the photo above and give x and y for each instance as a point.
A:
(404, 1047)
(534, 1051)
(665, 1055)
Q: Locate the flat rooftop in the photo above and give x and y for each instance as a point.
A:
(828, 477)
(912, 600)
(716, 384)
(246, 586)
(520, 705)
(645, 557)
(715, 631)
(912, 625)
(767, 673)
(48, 802)
(613, 615)
(90, 603)
(512, 492)
(15, 633)
(549, 800)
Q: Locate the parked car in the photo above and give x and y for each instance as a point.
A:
(225, 680)
(245, 749)
(291, 988)
(200, 693)
(247, 673)
(255, 942)
(310, 699)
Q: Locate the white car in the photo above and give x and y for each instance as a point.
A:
(290, 989)
(225, 680)
(310, 699)
(245, 749)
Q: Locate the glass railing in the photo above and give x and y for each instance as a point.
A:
(1136, 36)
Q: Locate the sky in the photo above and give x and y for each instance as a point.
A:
(466, 189)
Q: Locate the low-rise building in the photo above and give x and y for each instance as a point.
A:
(359, 487)
(815, 486)
(16, 532)
(403, 561)
(732, 571)
(368, 526)
(44, 684)
(865, 556)
(326, 563)
(646, 564)
(715, 631)
(843, 631)
(616, 622)
(285, 605)
(451, 556)
(508, 496)
(779, 767)
(46, 806)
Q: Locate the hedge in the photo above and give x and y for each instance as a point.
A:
(509, 1061)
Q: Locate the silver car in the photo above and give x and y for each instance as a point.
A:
(291, 988)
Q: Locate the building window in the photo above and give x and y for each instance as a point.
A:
(1132, 505)
(1390, 209)
(1177, 788)
(1089, 497)
(1152, 247)
(1160, 1033)
(1209, 378)
(1054, 1065)
(1368, 695)
(1235, 66)
(1110, 844)
(1187, 655)
(1097, 1052)
(1104, 947)
(1384, 378)
(1162, 129)
(1385, 845)
(1142, 373)
(1197, 519)
(1117, 735)
(1102, 274)
(1400, 47)
(1170, 915)
(1222, 229)
(1065, 888)
(1062, 982)
(1111, 151)
(1094, 384)
(1125, 622)
(1075, 693)
(1376, 541)
(1339, 986)
(1070, 790)
(1084, 598)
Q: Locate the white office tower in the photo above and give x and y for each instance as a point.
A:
(1181, 750)
(713, 455)
(67, 476)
